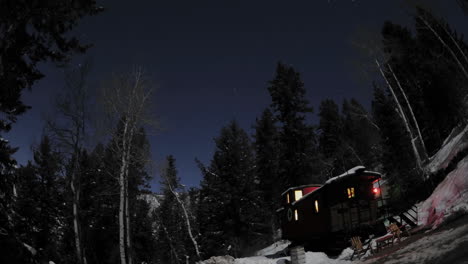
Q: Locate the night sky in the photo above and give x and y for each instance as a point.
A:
(211, 62)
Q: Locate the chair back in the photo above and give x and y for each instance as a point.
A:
(394, 229)
(356, 243)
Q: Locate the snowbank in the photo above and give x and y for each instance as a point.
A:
(449, 198)
(450, 148)
(311, 257)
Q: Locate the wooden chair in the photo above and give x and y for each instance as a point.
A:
(359, 248)
(395, 231)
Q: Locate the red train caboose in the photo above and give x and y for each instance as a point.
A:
(325, 216)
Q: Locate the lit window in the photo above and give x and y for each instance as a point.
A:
(316, 206)
(296, 215)
(287, 197)
(351, 192)
(297, 195)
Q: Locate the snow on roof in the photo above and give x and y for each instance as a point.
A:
(453, 144)
(348, 173)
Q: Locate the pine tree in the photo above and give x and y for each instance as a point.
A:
(172, 232)
(31, 32)
(229, 196)
(267, 165)
(297, 139)
(360, 135)
(40, 189)
(397, 159)
(330, 139)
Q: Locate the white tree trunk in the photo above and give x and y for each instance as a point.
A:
(402, 115)
(187, 221)
(425, 156)
(127, 222)
(454, 56)
(123, 166)
(76, 228)
(127, 210)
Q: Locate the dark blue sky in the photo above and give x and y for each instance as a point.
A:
(211, 61)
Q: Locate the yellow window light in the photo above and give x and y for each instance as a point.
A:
(287, 198)
(316, 206)
(350, 192)
(297, 195)
(296, 215)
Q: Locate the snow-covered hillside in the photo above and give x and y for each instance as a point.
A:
(456, 142)
(153, 200)
(450, 198)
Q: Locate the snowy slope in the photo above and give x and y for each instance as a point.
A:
(153, 200)
(448, 246)
(455, 142)
(311, 257)
(449, 198)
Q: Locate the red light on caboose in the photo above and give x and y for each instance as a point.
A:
(375, 190)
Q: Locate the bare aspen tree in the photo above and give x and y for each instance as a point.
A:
(69, 130)
(187, 219)
(371, 48)
(127, 100)
(402, 115)
(415, 121)
(446, 46)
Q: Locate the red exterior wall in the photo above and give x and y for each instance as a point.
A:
(307, 190)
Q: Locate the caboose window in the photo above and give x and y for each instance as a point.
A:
(297, 195)
(351, 192)
(316, 206)
(296, 215)
(287, 197)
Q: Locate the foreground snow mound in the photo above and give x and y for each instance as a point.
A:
(455, 142)
(219, 260)
(311, 258)
(448, 199)
(322, 258)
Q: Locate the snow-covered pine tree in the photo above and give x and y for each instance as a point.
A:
(297, 138)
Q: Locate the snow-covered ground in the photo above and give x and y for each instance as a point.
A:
(455, 142)
(448, 246)
(448, 199)
(264, 257)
